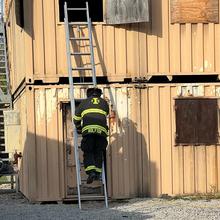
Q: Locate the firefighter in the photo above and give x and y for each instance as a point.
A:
(91, 121)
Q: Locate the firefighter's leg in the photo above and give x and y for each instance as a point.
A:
(87, 146)
(101, 144)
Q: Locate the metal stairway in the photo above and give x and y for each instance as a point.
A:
(5, 96)
(71, 71)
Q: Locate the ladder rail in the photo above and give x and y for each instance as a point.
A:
(72, 100)
(92, 60)
(104, 184)
(73, 106)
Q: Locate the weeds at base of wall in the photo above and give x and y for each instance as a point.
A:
(193, 197)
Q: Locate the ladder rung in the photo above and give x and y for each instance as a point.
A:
(79, 53)
(78, 23)
(80, 38)
(5, 159)
(76, 9)
(87, 83)
(82, 68)
(92, 197)
(7, 182)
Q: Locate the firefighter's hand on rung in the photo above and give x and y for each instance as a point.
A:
(79, 131)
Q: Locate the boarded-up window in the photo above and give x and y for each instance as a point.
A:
(194, 11)
(19, 11)
(127, 11)
(196, 121)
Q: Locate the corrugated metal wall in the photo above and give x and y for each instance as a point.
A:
(142, 158)
(121, 51)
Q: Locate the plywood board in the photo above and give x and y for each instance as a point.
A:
(127, 11)
(191, 11)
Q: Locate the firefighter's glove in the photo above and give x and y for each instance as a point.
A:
(79, 131)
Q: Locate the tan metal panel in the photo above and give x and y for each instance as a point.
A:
(30, 149)
(135, 147)
(109, 49)
(197, 48)
(145, 133)
(98, 50)
(132, 46)
(189, 169)
(211, 153)
(155, 145)
(153, 48)
(138, 187)
(38, 39)
(217, 47)
(41, 144)
(143, 59)
(142, 156)
(175, 44)
(49, 24)
(61, 94)
(165, 139)
(209, 48)
(186, 48)
(152, 37)
(61, 51)
(20, 105)
(52, 143)
(163, 40)
(28, 35)
(177, 153)
(120, 52)
(200, 169)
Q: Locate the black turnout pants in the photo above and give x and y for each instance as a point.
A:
(93, 147)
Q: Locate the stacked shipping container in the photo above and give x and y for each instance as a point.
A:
(142, 158)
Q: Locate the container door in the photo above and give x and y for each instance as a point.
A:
(70, 165)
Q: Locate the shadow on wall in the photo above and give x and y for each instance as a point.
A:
(42, 167)
(130, 165)
(43, 170)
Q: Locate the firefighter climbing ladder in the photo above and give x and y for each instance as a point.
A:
(71, 70)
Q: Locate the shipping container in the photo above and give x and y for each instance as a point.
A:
(144, 157)
(37, 50)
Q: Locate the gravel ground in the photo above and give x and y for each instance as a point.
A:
(14, 206)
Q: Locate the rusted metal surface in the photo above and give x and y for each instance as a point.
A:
(196, 121)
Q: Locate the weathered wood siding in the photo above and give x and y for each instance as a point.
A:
(191, 11)
(121, 51)
(142, 158)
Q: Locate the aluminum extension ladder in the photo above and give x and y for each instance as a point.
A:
(72, 69)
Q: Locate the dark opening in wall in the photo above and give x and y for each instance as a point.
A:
(19, 11)
(95, 10)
